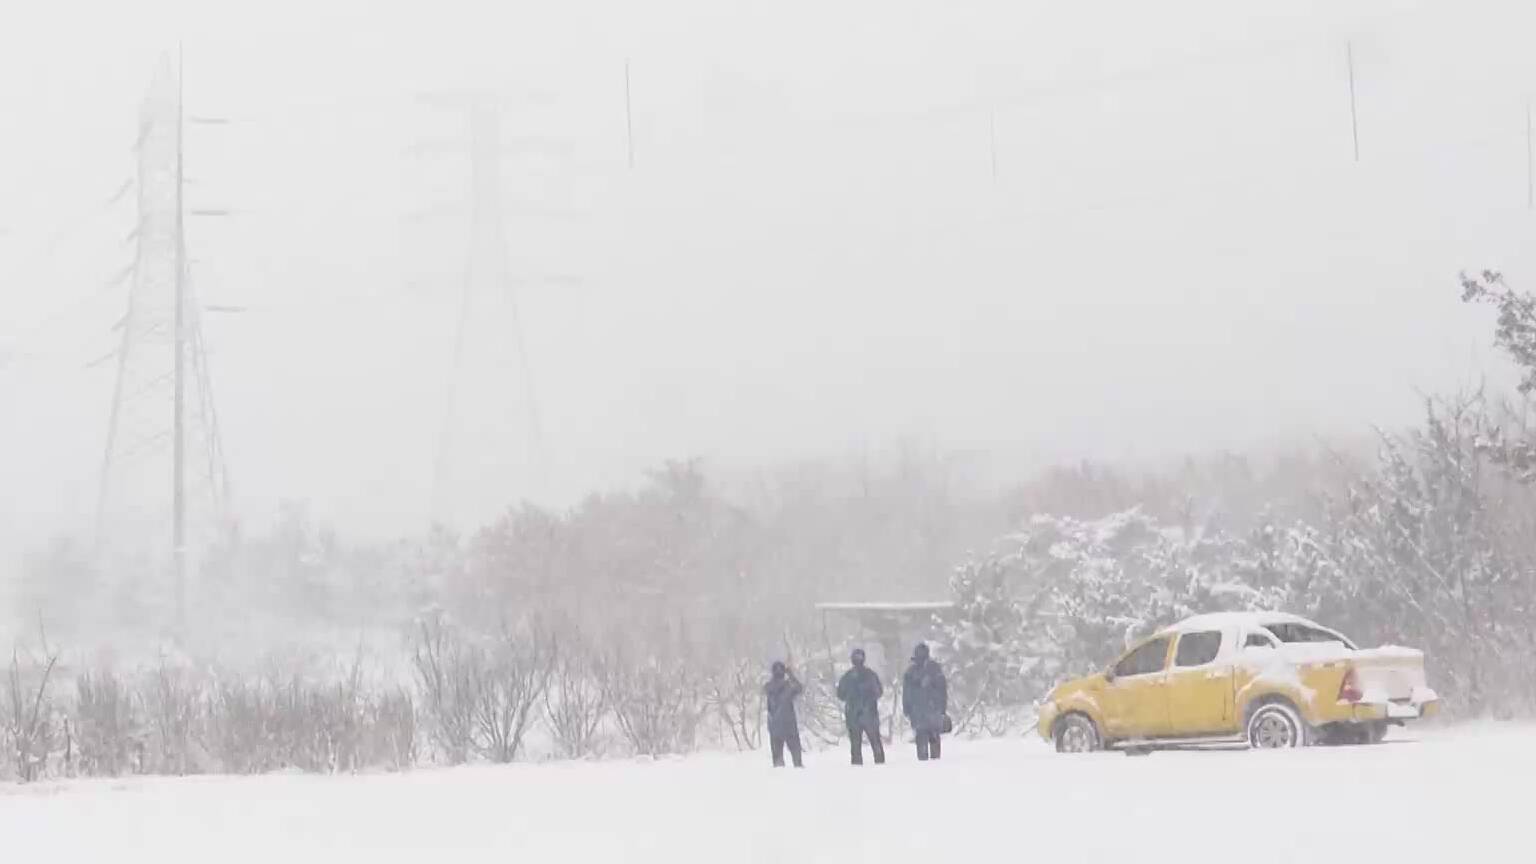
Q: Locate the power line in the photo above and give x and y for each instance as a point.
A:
(992, 140)
(77, 220)
(629, 122)
(1354, 122)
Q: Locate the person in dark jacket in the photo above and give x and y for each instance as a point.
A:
(925, 701)
(860, 691)
(779, 695)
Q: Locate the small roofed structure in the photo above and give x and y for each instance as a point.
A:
(892, 625)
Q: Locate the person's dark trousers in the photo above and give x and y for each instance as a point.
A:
(856, 737)
(927, 746)
(777, 743)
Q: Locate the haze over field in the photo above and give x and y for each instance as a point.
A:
(1031, 234)
(504, 427)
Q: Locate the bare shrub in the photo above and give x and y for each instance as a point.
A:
(343, 711)
(241, 726)
(655, 702)
(981, 719)
(316, 727)
(819, 710)
(446, 682)
(349, 728)
(510, 679)
(392, 739)
(479, 699)
(28, 713)
(575, 702)
(171, 701)
(285, 721)
(108, 725)
(735, 695)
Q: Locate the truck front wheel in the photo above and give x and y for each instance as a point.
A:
(1077, 734)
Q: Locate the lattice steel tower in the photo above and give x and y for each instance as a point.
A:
(490, 448)
(163, 456)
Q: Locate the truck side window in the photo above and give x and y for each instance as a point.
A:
(1258, 640)
(1197, 649)
(1149, 658)
(1303, 633)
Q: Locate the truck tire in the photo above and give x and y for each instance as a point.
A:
(1075, 733)
(1374, 732)
(1275, 726)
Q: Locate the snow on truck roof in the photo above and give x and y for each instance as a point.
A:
(1229, 620)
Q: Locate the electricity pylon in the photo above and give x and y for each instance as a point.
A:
(163, 453)
(492, 381)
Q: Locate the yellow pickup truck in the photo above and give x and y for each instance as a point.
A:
(1263, 679)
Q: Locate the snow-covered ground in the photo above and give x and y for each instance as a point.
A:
(1434, 795)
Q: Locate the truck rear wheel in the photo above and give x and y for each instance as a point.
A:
(1275, 726)
(1374, 732)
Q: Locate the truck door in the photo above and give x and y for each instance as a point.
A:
(1137, 692)
(1200, 686)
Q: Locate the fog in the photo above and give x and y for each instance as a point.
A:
(1030, 233)
(387, 386)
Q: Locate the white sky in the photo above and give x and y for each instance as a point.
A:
(811, 254)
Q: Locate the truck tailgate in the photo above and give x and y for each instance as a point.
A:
(1392, 674)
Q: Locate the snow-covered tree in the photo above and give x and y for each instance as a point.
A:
(1064, 596)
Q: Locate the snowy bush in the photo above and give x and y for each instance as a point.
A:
(446, 682)
(508, 680)
(816, 663)
(27, 713)
(655, 700)
(173, 700)
(480, 695)
(575, 702)
(109, 725)
(735, 695)
(1065, 595)
(1430, 547)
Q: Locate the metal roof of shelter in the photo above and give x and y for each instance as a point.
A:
(887, 618)
(914, 606)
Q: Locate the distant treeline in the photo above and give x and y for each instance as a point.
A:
(642, 621)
